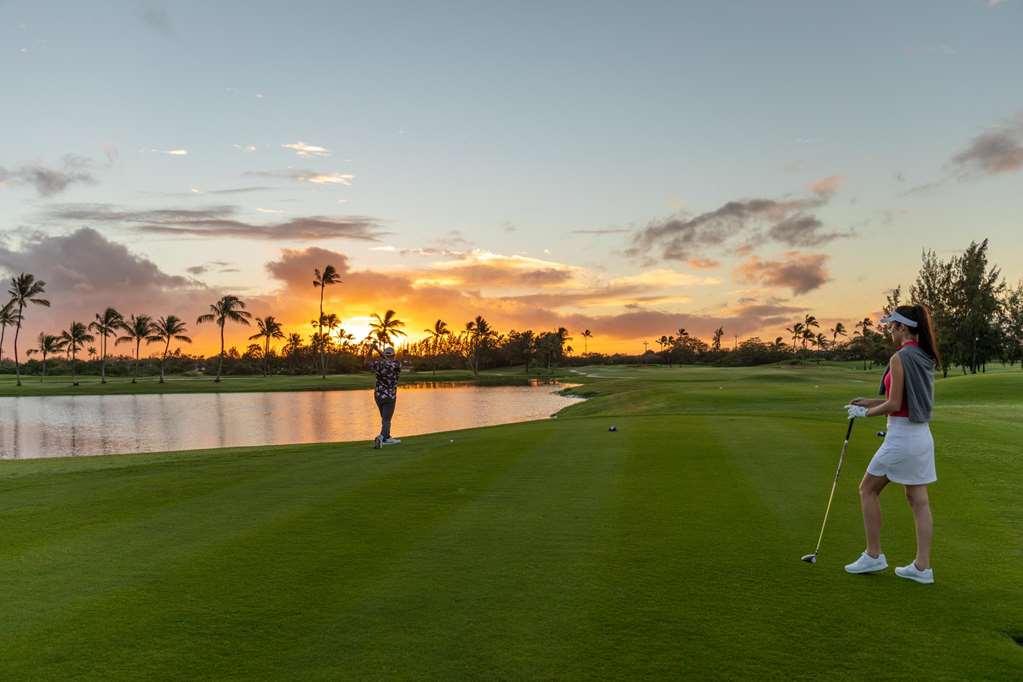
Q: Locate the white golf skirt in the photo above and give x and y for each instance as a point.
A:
(907, 454)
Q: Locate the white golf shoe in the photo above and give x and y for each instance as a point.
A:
(392, 441)
(867, 564)
(911, 572)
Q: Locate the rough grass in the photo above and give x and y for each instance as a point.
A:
(550, 549)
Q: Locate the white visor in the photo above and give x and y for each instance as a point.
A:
(896, 317)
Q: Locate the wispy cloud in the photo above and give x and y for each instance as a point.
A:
(302, 149)
(787, 221)
(171, 152)
(800, 272)
(608, 230)
(50, 181)
(220, 221)
(999, 150)
(302, 175)
(157, 19)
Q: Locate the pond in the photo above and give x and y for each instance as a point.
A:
(60, 426)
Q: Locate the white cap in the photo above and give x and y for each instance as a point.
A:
(894, 316)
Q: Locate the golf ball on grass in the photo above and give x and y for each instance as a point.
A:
(612, 428)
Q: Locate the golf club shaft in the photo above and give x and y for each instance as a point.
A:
(834, 485)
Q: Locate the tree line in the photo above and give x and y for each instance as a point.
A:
(978, 316)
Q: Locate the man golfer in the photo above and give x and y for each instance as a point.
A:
(387, 369)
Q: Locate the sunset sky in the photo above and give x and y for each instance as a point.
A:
(630, 168)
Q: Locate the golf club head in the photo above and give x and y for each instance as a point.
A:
(810, 558)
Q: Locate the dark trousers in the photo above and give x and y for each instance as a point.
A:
(386, 407)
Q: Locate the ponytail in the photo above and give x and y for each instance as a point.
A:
(926, 333)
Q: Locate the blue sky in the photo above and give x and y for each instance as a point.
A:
(505, 129)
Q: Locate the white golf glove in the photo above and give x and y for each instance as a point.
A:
(856, 411)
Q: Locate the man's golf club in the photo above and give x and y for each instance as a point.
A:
(812, 558)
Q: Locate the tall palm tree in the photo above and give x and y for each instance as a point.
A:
(48, 345)
(25, 291)
(292, 348)
(8, 318)
(863, 328)
(165, 330)
(106, 324)
(386, 327)
(796, 331)
(836, 331)
(821, 341)
(227, 309)
(481, 334)
(437, 334)
(269, 328)
(137, 328)
(91, 350)
(323, 280)
(73, 338)
(587, 335)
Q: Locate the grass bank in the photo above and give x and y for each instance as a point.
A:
(549, 549)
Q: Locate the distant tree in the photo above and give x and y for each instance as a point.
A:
(864, 330)
(91, 350)
(796, 330)
(385, 328)
(587, 335)
(228, 309)
(25, 290)
(437, 334)
(48, 345)
(323, 280)
(106, 325)
(716, 343)
(836, 331)
(73, 338)
(137, 328)
(292, 348)
(165, 330)
(8, 318)
(268, 329)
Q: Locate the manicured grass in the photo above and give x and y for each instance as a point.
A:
(551, 549)
(90, 385)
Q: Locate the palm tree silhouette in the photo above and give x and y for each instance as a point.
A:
(836, 331)
(228, 309)
(864, 326)
(106, 324)
(323, 280)
(809, 324)
(25, 291)
(8, 318)
(439, 331)
(91, 350)
(269, 328)
(76, 336)
(797, 331)
(587, 335)
(137, 328)
(386, 327)
(165, 330)
(48, 345)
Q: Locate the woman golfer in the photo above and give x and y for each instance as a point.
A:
(387, 369)
(907, 454)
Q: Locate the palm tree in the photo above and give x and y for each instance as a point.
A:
(227, 309)
(809, 324)
(91, 350)
(165, 330)
(292, 348)
(25, 290)
(48, 345)
(437, 334)
(836, 331)
(797, 331)
(863, 328)
(269, 328)
(8, 318)
(383, 328)
(821, 341)
(106, 324)
(323, 280)
(587, 335)
(480, 333)
(137, 328)
(76, 336)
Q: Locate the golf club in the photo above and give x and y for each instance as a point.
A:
(812, 558)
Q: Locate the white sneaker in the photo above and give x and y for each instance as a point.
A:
(867, 564)
(392, 441)
(911, 572)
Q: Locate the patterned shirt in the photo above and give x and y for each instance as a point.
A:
(387, 372)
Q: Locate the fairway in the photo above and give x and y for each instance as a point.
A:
(552, 549)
